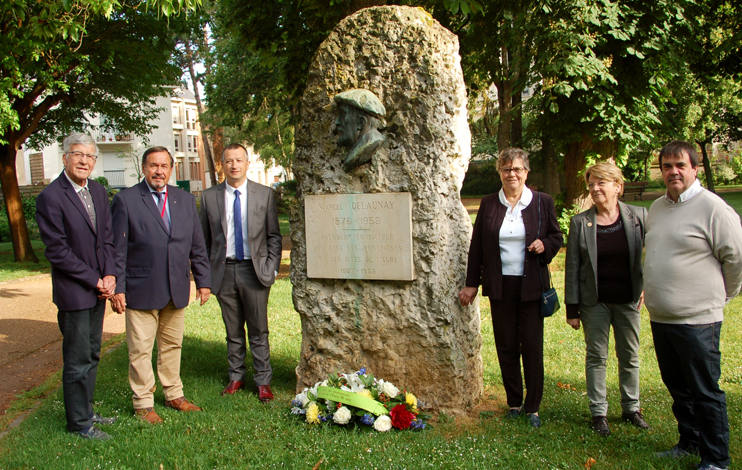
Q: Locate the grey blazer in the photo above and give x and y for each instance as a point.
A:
(263, 232)
(581, 263)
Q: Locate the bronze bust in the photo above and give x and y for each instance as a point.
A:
(360, 114)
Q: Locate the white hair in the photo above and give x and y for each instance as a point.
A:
(78, 138)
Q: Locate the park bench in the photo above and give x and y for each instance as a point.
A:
(636, 188)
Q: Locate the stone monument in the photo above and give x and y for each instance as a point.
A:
(380, 237)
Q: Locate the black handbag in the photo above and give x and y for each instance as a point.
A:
(549, 298)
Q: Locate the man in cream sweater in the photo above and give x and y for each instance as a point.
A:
(693, 267)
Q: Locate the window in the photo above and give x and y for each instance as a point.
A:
(176, 114)
(191, 117)
(192, 143)
(176, 142)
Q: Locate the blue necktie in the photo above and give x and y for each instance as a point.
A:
(239, 249)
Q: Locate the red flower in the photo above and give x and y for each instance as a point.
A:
(401, 418)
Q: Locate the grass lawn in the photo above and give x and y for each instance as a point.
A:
(240, 432)
(734, 199)
(9, 269)
(283, 223)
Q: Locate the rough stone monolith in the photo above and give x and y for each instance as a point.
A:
(412, 333)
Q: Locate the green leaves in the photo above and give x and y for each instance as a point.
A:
(466, 7)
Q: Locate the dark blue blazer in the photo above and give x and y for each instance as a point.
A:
(153, 265)
(78, 256)
(485, 265)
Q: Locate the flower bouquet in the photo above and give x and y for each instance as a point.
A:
(359, 398)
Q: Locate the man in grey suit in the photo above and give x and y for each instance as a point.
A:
(240, 225)
(158, 243)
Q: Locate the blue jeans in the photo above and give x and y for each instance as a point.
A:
(690, 364)
(82, 331)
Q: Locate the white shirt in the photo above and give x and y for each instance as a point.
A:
(513, 234)
(694, 190)
(76, 186)
(229, 209)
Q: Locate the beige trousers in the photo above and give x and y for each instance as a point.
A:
(142, 327)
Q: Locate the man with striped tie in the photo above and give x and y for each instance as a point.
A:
(75, 225)
(158, 243)
(240, 225)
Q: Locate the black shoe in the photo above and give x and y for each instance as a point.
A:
(93, 433)
(514, 413)
(600, 425)
(677, 453)
(636, 419)
(98, 419)
(534, 420)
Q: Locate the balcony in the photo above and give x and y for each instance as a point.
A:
(111, 136)
(116, 178)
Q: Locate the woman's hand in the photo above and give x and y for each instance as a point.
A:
(536, 247)
(641, 302)
(574, 323)
(467, 295)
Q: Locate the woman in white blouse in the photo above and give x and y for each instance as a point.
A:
(516, 235)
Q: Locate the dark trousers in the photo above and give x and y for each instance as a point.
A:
(82, 331)
(244, 301)
(690, 364)
(519, 332)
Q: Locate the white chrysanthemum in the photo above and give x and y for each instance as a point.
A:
(342, 415)
(383, 423)
(388, 389)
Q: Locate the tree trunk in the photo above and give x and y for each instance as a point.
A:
(218, 149)
(517, 127)
(646, 165)
(707, 167)
(22, 249)
(504, 123)
(551, 167)
(574, 165)
(204, 136)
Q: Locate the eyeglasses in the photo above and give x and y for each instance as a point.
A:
(79, 155)
(517, 170)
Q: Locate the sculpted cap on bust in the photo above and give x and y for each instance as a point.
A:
(360, 114)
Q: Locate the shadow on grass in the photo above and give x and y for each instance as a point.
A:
(10, 269)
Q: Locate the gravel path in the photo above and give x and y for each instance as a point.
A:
(30, 341)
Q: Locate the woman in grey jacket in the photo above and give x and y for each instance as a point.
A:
(604, 288)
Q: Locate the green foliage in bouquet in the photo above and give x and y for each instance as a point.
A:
(359, 399)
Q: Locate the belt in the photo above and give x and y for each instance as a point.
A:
(235, 260)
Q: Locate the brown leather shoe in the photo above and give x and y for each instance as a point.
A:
(181, 404)
(233, 386)
(264, 393)
(148, 415)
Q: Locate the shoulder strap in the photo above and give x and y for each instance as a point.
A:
(538, 232)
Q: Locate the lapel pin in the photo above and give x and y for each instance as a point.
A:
(589, 224)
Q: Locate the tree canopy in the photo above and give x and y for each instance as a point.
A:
(63, 59)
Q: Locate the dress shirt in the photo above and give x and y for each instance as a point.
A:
(513, 234)
(77, 187)
(694, 190)
(229, 209)
(157, 200)
(87, 202)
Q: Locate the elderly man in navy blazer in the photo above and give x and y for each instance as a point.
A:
(75, 225)
(158, 242)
